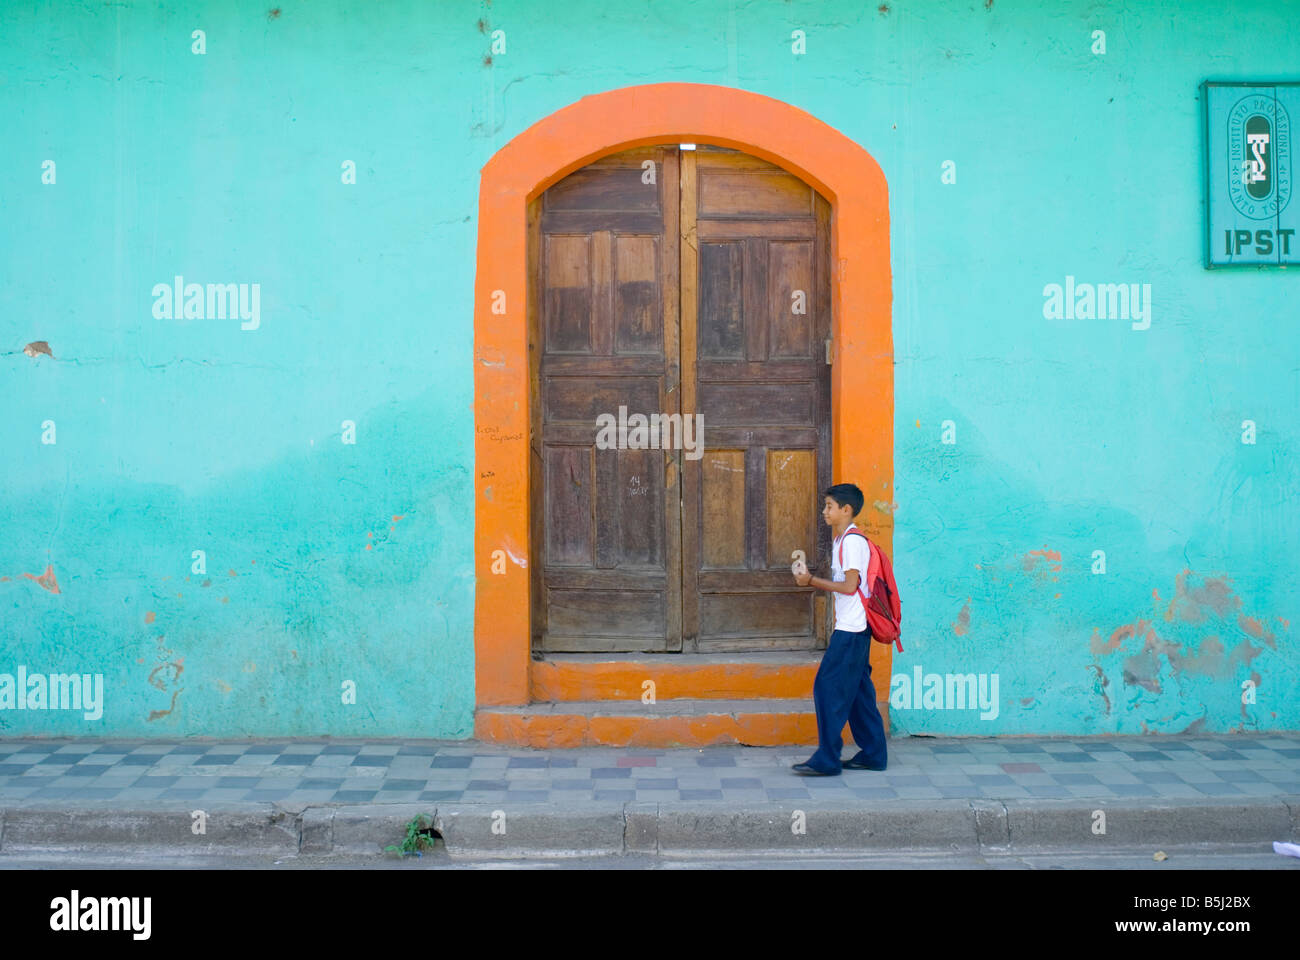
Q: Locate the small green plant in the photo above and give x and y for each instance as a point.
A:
(420, 836)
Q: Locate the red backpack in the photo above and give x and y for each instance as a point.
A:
(884, 616)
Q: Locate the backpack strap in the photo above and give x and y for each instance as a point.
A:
(862, 577)
(855, 533)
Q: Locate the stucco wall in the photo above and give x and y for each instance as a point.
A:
(177, 435)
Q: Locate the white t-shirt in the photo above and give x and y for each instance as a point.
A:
(849, 615)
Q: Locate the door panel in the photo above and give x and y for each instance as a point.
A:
(755, 313)
(604, 245)
(723, 509)
(792, 520)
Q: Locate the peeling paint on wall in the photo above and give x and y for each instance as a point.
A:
(46, 579)
(1151, 662)
(963, 620)
(159, 714)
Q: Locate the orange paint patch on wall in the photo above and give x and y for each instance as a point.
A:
(1169, 607)
(569, 139)
(159, 714)
(1095, 644)
(150, 617)
(1256, 629)
(1034, 557)
(1190, 604)
(1141, 628)
(46, 579)
(962, 626)
(177, 667)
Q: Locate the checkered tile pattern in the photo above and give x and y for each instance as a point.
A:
(402, 771)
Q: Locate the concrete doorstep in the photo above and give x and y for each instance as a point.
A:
(667, 828)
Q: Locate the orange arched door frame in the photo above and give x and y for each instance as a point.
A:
(862, 383)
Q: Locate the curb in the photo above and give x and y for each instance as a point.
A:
(543, 830)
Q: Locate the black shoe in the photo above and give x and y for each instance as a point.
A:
(858, 765)
(807, 771)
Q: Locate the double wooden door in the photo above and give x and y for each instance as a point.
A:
(696, 284)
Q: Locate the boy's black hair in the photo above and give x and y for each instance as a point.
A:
(847, 495)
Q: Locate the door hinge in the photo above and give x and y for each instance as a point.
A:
(828, 351)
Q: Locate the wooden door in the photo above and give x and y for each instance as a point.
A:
(701, 287)
(606, 522)
(755, 329)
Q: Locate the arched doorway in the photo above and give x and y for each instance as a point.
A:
(682, 301)
(861, 375)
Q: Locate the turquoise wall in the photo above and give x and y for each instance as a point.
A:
(181, 435)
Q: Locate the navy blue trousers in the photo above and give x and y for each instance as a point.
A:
(843, 691)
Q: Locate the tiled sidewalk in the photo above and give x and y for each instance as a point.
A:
(317, 771)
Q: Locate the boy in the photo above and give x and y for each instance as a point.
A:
(843, 688)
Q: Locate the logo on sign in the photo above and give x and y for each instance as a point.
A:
(1259, 157)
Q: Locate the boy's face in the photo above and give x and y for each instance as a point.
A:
(833, 513)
